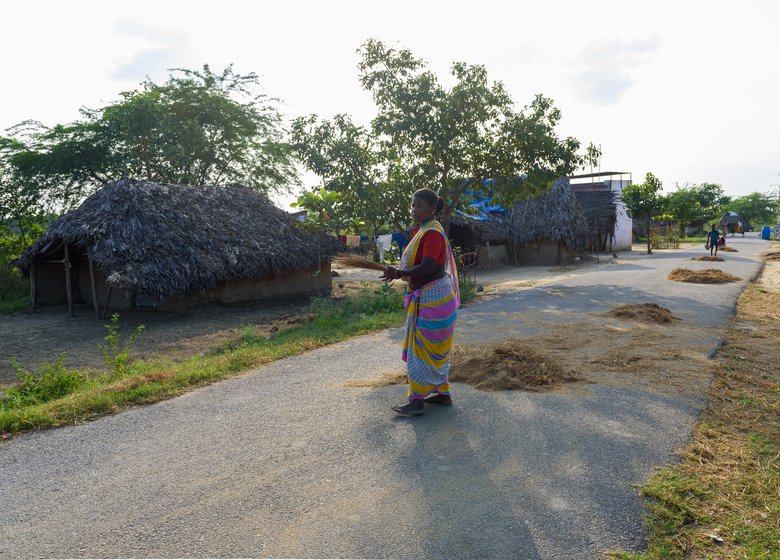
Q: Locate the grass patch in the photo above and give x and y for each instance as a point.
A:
(97, 393)
(723, 499)
(14, 305)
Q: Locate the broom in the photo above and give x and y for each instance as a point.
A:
(356, 261)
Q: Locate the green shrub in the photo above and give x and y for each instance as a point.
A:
(468, 289)
(49, 381)
(114, 352)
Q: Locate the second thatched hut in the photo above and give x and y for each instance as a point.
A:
(549, 228)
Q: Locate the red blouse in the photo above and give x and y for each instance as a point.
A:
(432, 245)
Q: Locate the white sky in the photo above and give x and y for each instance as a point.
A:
(686, 90)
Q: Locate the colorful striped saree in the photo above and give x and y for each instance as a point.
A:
(432, 311)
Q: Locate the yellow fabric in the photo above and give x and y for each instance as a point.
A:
(417, 389)
(428, 348)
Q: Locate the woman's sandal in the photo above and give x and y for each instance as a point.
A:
(414, 407)
(446, 400)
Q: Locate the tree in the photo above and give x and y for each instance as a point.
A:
(325, 211)
(712, 200)
(643, 201)
(455, 139)
(19, 198)
(351, 162)
(758, 208)
(199, 127)
(683, 206)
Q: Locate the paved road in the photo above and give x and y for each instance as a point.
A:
(286, 462)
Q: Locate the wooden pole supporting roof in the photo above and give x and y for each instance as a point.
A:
(68, 287)
(94, 286)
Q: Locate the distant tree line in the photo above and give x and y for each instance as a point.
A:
(694, 206)
(204, 127)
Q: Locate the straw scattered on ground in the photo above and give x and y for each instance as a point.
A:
(773, 256)
(651, 312)
(727, 250)
(384, 380)
(705, 276)
(708, 258)
(511, 364)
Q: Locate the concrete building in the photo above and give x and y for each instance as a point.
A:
(614, 182)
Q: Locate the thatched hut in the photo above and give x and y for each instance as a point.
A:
(731, 220)
(143, 244)
(485, 235)
(549, 228)
(600, 211)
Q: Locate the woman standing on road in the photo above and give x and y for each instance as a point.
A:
(432, 301)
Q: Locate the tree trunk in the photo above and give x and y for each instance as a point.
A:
(402, 229)
(445, 194)
(648, 233)
(145, 158)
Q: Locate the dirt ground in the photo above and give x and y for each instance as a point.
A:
(631, 347)
(598, 348)
(32, 338)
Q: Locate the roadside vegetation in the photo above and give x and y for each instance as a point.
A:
(722, 500)
(52, 395)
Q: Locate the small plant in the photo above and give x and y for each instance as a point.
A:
(49, 381)
(114, 352)
(468, 289)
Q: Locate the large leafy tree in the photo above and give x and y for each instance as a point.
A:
(199, 127)
(712, 200)
(758, 208)
(683, 206)
(456, 138)
(695, 204)
(643, 201)
(351, 162)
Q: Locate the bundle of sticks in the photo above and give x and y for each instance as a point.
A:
(356, 261)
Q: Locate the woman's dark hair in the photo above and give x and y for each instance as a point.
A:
(430, 196)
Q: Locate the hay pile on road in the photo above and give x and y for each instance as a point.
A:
(705, 276)
(511, 364)
(651, 312)
(708, 258)
(384, 380)
(727, 250)
(773, 256)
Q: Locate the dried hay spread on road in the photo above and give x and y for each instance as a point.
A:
(511, 364)
(773, 256)
(384, 380)
(708, 258)
(727, 249)
(642, 312)
(705, 276)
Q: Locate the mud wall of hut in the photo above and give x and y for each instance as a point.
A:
(491, 255)
(247, 289)
(546, 253)
(51, 289)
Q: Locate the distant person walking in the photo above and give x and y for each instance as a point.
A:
(740, 229)
(713, 237)
(432, 301)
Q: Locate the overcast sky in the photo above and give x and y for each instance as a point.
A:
(686, 90)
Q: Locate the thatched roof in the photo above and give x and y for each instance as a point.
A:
(161, 240)
(493, 228)
(734, 218)
(552, 216)
(599, 209)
